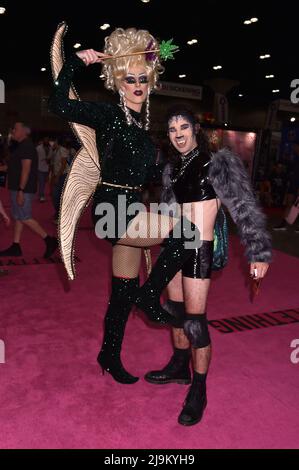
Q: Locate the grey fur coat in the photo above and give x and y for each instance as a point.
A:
(231, 183)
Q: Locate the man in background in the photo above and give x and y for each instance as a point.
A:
(22, 184)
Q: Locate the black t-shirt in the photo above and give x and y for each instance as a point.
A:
(24, 150)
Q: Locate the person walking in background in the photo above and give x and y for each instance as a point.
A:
(44, 155)
(22, 184)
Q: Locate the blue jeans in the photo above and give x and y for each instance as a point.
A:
(21, 212)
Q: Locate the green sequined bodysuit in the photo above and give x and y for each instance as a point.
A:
(127, 154)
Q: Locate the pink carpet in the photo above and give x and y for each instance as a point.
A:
(54, 396)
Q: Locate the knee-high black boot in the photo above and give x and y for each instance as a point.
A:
(170, 261)
(120, 304)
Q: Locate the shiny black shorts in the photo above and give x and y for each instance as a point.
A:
(199, 265)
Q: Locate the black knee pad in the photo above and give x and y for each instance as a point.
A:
(199, 265)
(197, 331)
(177, 309)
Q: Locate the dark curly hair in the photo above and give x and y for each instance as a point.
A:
(201, 137)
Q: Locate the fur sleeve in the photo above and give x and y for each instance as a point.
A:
(231, 183)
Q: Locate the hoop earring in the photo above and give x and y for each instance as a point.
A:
(123, 105)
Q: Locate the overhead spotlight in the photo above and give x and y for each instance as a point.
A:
(252, 20)
(269, 76)
(77, 45)
(225, 124)
(105, 26)
(217, 67)
(43, 69)
(102, 76)
(275, 91)
(2, 10)
(293, 119)
(182, 76)
(145, 1)
(266, 56)
(240, 95)
(192, 41)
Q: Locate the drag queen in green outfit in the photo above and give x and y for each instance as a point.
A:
(130, 66)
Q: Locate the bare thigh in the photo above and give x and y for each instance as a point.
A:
(147, 229)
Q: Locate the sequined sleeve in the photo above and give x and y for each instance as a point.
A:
(154, 173)
(91, 114)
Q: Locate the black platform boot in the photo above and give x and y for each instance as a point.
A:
(176, 371)
(170, 261)
(120, 304)
(196, 401)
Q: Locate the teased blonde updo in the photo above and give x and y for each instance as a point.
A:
(125, 41)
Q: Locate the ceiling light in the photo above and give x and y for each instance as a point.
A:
(43, 69)
(252, 20)
(182, 76)
(275, 91)
(293, 119)
(269, 76)
(2, 10)
(240, 95)
(77, 45)
(145, 1)
(217, 67)
(192, 41)
(266, 56)
(105, 26)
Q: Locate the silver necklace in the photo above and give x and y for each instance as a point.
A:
(186, 160)
(139, 124)
(130, 117)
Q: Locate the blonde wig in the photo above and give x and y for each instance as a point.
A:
(128, 41)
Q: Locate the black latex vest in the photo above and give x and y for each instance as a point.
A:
(193, 185)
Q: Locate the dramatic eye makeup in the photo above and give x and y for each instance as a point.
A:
(183, 127)
(143, 79)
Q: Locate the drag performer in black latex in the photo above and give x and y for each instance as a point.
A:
(200, 182)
